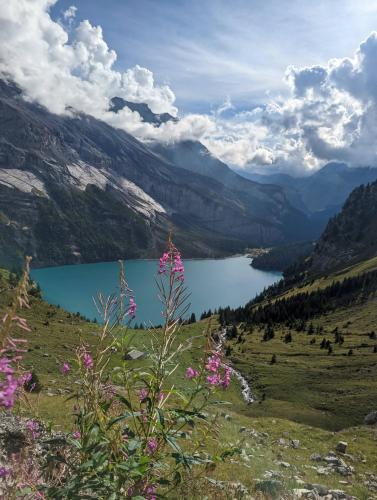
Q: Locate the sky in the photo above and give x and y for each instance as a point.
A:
(210, 50)
(266, 85)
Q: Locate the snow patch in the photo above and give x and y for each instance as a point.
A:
(22, 180)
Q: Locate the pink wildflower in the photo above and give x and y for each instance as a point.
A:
(191, 373)
(76, 434)
(131, 312)
(66, 368)
(214, 379)
(143, 394)
(163, 263)
(161, 396)
(5, 366)
(213, 363)
(226, 379)
(4, 472)
(33, 427)
(152, 445)
(178, 266)
(10, 383)
(87, 360)
(150, 492)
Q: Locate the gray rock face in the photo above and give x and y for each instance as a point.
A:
(371, 418)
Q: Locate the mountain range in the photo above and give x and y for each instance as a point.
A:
(74, 189)
(322, 194)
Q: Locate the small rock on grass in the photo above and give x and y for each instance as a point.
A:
(371, 418)
(341, 447)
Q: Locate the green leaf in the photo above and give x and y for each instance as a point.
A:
(160, 416)
(125, 416)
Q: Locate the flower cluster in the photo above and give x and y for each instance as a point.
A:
(143, 394)
(214, 377)
(131, 311)
(173, 259)
(4, 472)
(10, 383)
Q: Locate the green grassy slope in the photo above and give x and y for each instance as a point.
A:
(307, 384)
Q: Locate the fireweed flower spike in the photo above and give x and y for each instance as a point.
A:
(87, 360)
(191, 373)
(152, 445)
(131, 312)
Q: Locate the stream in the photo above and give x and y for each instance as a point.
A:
(245, 387)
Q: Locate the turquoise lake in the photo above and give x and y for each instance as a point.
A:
(212, 283)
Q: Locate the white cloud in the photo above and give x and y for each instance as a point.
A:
(70, 13)
(331, 113)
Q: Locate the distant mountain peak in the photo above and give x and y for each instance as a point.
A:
(147, 115)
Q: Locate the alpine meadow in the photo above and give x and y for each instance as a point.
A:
(188, 250)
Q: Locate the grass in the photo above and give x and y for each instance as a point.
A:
(308, 385)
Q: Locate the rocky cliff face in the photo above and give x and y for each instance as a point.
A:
(73, 189)
(350, 236)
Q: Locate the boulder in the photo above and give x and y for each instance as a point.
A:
(319, 488)
(134, 354)
(371, 418)
(271, 487)
(341, 447)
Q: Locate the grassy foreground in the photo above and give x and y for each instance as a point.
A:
(308, 395)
